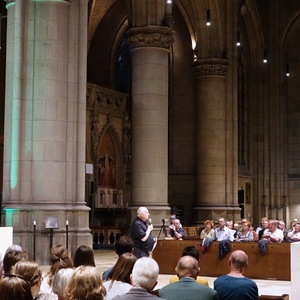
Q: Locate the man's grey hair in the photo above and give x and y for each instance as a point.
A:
(60, 281)
(145, 273)
(141, 210)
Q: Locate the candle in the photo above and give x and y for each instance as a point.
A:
(67, 222)
(34, 223)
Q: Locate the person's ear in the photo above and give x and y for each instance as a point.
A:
(198, 271)
(131, 279)
(155, 284)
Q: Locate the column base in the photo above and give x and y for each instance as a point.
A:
(23, 221)
(202, 213)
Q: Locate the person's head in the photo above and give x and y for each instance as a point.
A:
(60, 281)
(143, 213)
(31, 272)
(124, 245)
(176, 224)
(187, 266)
(281, 225)
(246, 226)
(238, 261)
(123, 268)
(11, 258)
(84, 255)
(191, 251)
(221, 223)
(14, 248)
(172, 218)
(59, 259)
(296, 227)
(229, 224)
(209, 224)
(85, 283)
(244, 221)
(273, 225)
(145, 273)
(14, 287)
(264, 222)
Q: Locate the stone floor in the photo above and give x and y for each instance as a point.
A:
(106, 258)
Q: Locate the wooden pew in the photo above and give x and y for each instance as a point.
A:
(274, 265)
(270, 297)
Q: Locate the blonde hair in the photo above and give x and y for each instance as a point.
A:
(85, 284)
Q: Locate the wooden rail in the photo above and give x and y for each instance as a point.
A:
(274, 265)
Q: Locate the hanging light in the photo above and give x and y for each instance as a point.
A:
(208, 17)
(238, 39)
(169, 1)
(265, 60)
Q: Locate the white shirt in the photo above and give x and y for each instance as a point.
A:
(118, 288)
(278, 233)
(224, 234)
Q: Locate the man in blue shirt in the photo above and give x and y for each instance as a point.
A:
(234, 285)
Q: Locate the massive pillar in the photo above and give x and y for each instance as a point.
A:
(150, 67)
(212, 202)
(44, 152)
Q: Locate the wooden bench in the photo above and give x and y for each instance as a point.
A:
(270, 297)
(274, 265)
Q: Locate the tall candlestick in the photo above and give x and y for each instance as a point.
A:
(34, 223)
(67, 222)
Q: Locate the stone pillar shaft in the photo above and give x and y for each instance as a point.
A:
(211, 138)
(150, 116)
(44, 158)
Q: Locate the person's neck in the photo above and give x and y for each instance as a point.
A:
(236, 273)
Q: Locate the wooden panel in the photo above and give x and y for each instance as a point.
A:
(274, 265)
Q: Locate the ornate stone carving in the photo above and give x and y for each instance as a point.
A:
(211, 67)
(153, 36)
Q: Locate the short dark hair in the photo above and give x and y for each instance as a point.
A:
(191, 251)
(123, 244)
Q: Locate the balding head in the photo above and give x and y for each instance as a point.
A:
(238, 261)
(187, 266)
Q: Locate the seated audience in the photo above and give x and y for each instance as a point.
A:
(255, 235)
(118, 280)
(191, 251)
(11, 257)
(234, 285)
(85, 284)
(32, 273)
(224, 236)
(271, 235)
(208, 231)
(123, 245)
(143, 279)
(84, 256)
(187, 270)
(263, 226)
(281, 226)
(229, 224)
(60, 282)
(294, 234)
(14, 287)
(245, 235)
(176, 231)
(59, 259)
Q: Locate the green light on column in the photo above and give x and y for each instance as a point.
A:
(9, 212)
(10, 4)
(14, 145)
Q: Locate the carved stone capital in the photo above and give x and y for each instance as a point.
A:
(211, 67)
(150, 36)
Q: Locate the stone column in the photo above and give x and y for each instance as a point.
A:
(44, 160)
(150, 69)
(211, 200)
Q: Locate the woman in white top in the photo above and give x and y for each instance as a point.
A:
(118, 280)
